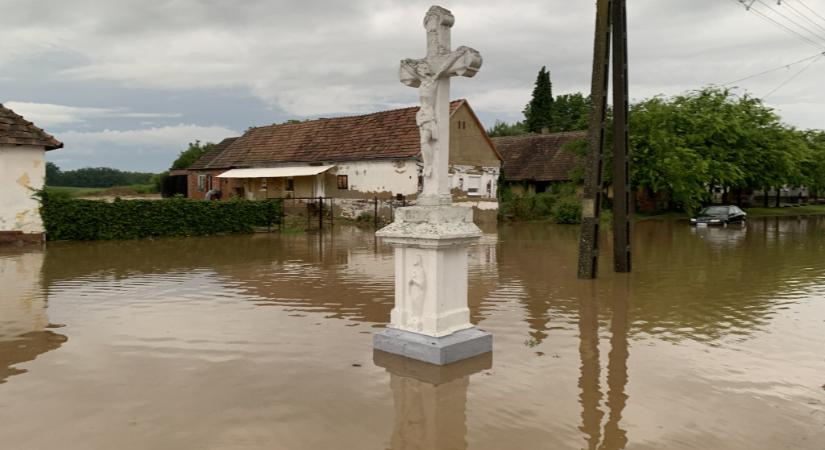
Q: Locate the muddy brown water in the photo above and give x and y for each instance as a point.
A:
(716, 341)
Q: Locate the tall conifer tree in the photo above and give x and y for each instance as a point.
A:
(538, 113)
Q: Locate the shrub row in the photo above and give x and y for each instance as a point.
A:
(87, 220)
(560, 204)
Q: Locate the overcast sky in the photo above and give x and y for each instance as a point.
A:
(127, 83)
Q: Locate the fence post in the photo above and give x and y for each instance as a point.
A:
(331, 211)
(375, 214)
(320, 213)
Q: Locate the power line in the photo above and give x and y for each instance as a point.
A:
(802, 15)
(788, 30)
(793, 77)
(811, 10)
(802, 27)
(786, 66)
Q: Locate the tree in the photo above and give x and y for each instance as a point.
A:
(691, 143)
(538, 113)
(571, 112)
(53, 174)
(501, 128)
(188, 157)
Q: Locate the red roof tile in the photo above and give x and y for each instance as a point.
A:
(208, 157)
(15, 130)
(386, 134)
(538, 157)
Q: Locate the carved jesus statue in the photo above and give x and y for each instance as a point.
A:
(431, 76)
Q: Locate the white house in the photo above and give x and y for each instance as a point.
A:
(350, 159)
(23, 149)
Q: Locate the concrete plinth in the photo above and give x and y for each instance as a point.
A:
(440, 351)
(430, 321)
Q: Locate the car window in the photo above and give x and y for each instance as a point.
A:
(715, 211)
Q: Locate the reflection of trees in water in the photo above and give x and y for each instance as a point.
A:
(683, 286)
(24, 333)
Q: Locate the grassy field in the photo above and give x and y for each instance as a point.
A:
(75, 192)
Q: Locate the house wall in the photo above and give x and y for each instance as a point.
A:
(474, 162)
(380, 178)
(22, 171)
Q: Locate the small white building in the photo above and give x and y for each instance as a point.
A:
(23, 149)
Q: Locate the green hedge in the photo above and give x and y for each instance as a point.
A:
(87, 220)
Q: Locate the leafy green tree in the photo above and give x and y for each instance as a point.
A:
(193, 153)
(53, 174)
(538, 113)
(689, 144)
(571, 112)
(501, 128)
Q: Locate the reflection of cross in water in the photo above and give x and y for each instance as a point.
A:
(431, 75)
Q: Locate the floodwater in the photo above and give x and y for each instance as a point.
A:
(715, 341)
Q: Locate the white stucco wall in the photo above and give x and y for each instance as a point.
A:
(22, 170)
(395, 176)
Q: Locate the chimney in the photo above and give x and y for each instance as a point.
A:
(545, 130)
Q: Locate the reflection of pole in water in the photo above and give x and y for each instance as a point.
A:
(590, 395)
(614, 436)
(430, 401)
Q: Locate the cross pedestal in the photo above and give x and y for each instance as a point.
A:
(430, 321)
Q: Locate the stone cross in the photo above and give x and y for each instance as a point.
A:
(431, 75)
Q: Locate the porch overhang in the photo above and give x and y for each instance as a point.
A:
(275, 172)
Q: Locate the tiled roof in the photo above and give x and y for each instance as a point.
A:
(15, 130)
(386, 134)
(203, 161)
(538, 157)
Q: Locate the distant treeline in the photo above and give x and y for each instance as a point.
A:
(98, 177)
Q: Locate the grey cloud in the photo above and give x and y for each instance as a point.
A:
(238, 64)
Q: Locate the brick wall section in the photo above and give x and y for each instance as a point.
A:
(18, 237)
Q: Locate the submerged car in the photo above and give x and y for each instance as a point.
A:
(719, 215)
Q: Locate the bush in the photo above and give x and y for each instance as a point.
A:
(568, 211)
(71, 219)
(560, 204)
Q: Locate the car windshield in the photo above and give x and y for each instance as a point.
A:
(715, 211)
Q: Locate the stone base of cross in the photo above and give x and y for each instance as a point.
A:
(430, 321)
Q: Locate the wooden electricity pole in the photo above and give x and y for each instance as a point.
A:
(592, 201)
(622, 199)
(611, 26)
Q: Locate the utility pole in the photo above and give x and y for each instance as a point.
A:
(593, 186)
(611, 26)
(622, 200)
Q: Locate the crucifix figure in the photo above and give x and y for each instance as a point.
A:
(431, 75)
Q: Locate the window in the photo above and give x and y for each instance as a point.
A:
(473, 185)
(343, 182)
(290, 185)
(201, 183)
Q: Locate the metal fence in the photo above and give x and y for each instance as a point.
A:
(320, 211)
